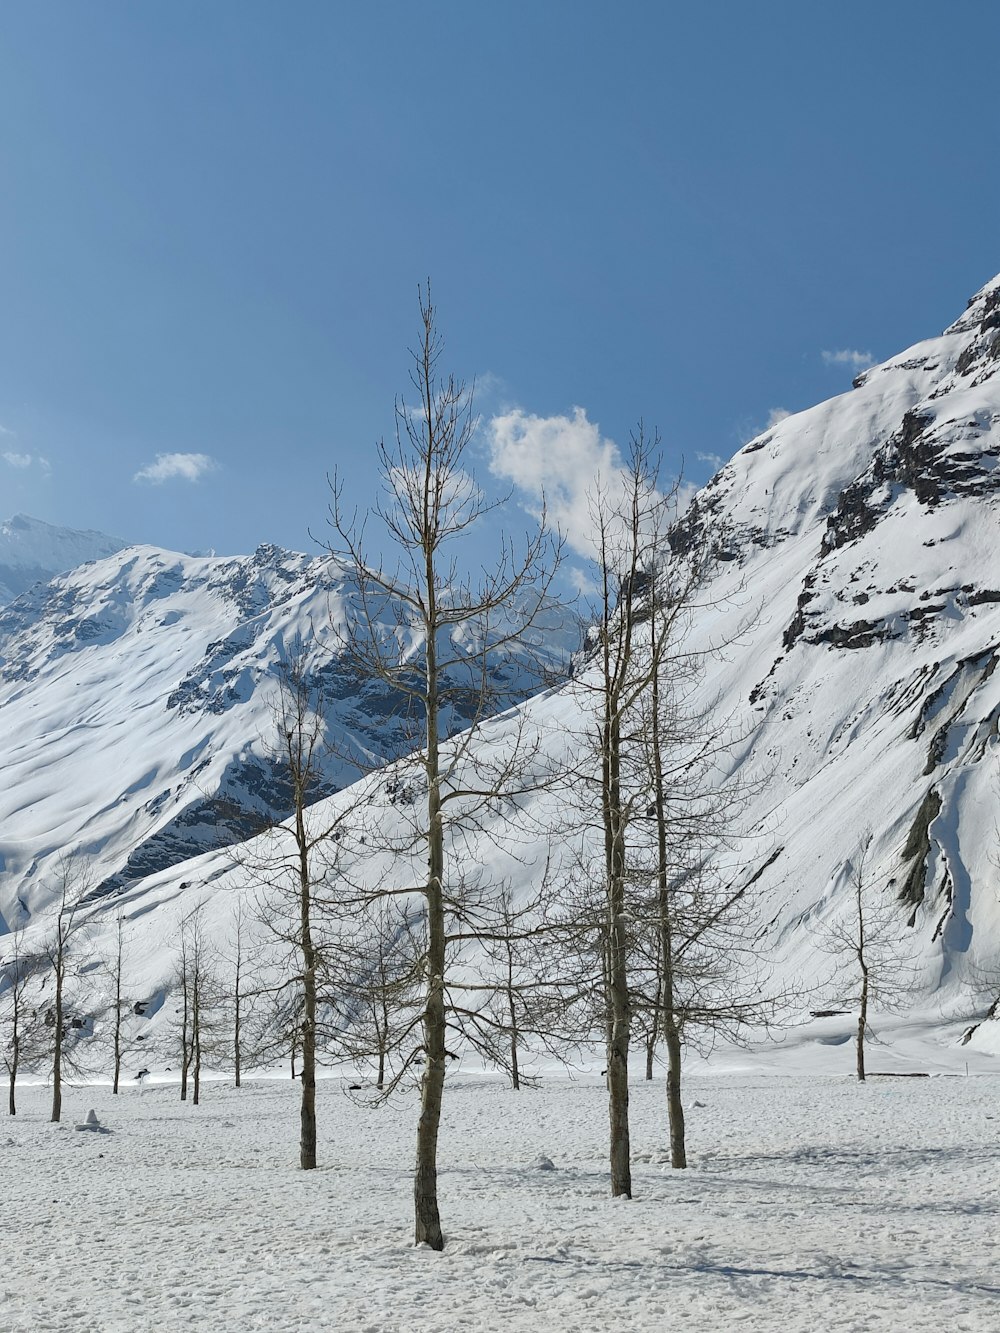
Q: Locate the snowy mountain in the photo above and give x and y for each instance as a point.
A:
(858, 546)
(32, 552)
(138, 698)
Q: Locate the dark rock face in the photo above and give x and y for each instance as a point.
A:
(917, 848)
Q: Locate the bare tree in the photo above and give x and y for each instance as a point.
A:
(291, 863)
(867, 938)
(119, 1005)
(383, 985)
(23, 1036)
(431, 502)
(240, 989)
(199, 993)
(74, 882)
(512, 994)
(697, 973)
(629, 517)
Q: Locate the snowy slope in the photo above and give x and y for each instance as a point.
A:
(138, 694)
(32, 552)
(859, 547)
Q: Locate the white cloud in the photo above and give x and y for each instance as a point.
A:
(23, 461)
(563, 461)
(559, 458)
(848, 356)
(187, 467)
(714, 461)
(775, 415)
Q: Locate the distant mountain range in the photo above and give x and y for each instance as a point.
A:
(32, 551)
(138, 697)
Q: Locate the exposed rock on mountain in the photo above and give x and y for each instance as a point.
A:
(138, 699)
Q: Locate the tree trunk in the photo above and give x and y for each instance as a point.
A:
(427, 1230)
(15, 1060)
(618, 1006)
(667, 1012)
(238, 1031)
(196, 1037)
(675, 1107)
(118, 1037)
(862, 1023)
(617, 1053)
(185, 1036)
(307, 1107)
(427, 1219)
(118, 1009)
(515, 1072)
(58, 1042)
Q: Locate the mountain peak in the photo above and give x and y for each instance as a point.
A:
(33, 551)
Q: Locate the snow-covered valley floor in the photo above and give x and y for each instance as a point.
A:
(811, 1203)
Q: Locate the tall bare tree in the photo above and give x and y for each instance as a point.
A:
(420, 601)
(868, 939)
(22, 1021)
(292, 863)
(696, 973)
(195, 970)
(630, 516)
(73, 884)
(118, 1003)
(239, 960)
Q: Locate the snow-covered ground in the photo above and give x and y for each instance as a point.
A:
(812, 1202)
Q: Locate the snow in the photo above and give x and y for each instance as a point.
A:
(31, 550)
(811, 1202)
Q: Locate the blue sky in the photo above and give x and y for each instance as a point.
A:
(214, 219)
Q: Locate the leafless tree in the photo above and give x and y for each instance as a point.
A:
(292, 863)
(698, 976)
(238, 961)
(431, 502)
(657, 930)
(118, 1004)
(383, 983)
(867, 938)
(73, 884)
(198, 985)
(22, 1021)
(630, 517)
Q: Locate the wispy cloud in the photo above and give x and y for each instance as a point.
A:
(185, 467)
(848, 356)
(776, 415)
(714, 461)
(24, 461)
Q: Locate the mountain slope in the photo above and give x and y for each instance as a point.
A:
(858, 550)
(138, 697)
(32, 552)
